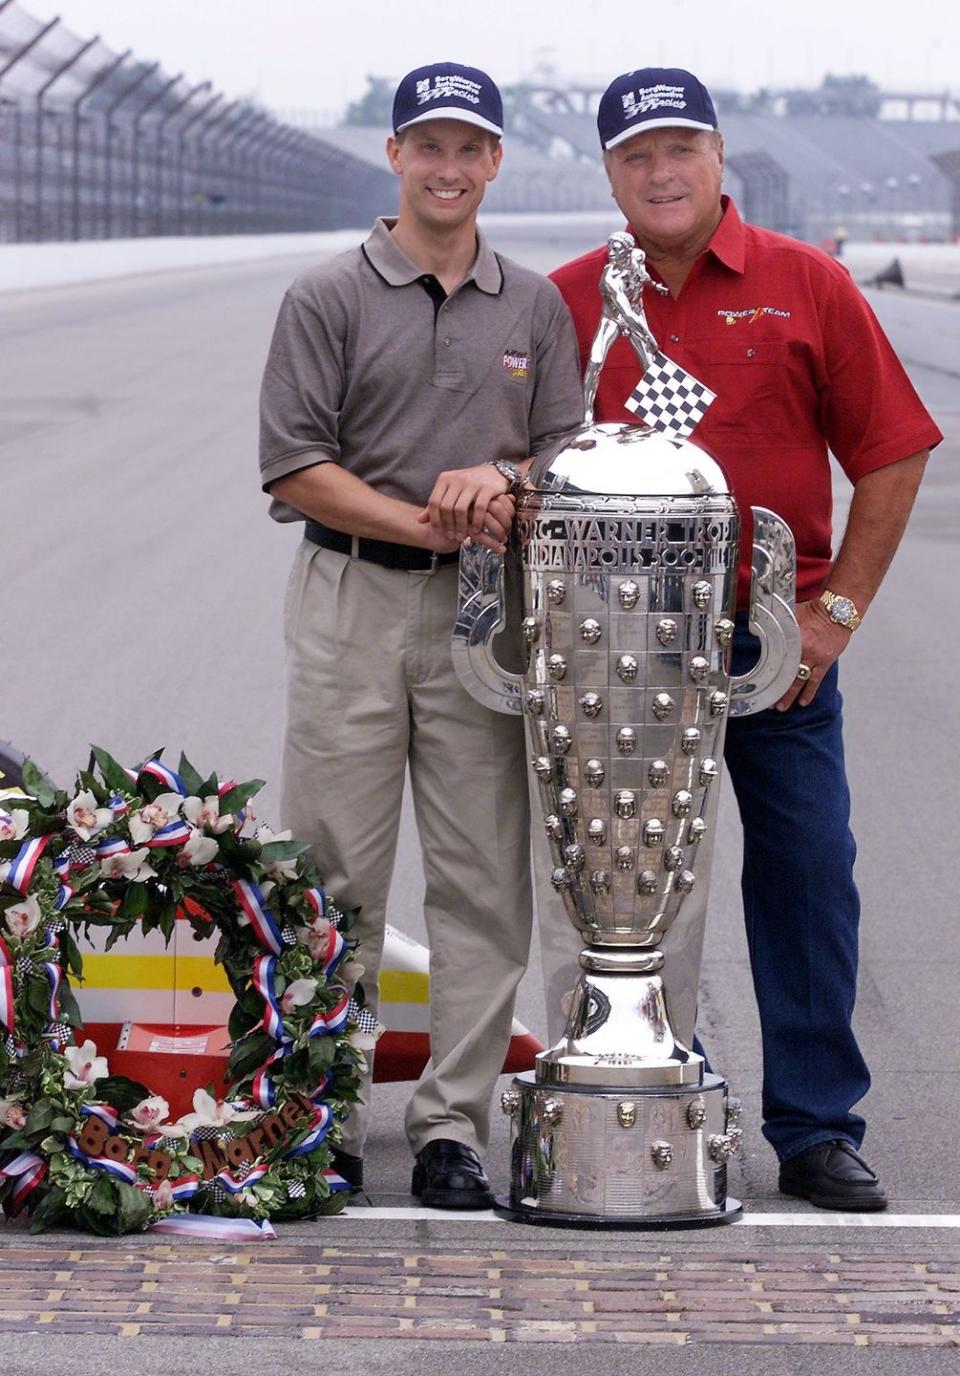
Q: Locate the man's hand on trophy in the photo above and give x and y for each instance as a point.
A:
(822, 641)
(471, 503)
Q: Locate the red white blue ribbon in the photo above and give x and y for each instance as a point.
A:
(118, 805)
(104, 1112)
(24, 863)
(335, 952)
(264, 972)
(184, 1187)
(118, 1169)
(334, 1021)
(215, 1229)
(233, 1184)
(175, 833)
(64, 895)
(322, 1123)
(317, 900)
(28, 1170)
(116, 845)
(263, 1090)
(8, 1015)
(61, 866)
(262, 921)
(335, 1182)
(5, 957)
(169, 777)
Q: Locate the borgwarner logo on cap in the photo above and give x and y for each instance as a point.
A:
(446, 87)
(653, 98)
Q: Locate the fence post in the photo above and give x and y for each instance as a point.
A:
(38, 120)
(160, 149)
(181, 139)
(146, 72)
(75, 118)
(201, 147)
(8, 66)
(247, 141)
(135, 151)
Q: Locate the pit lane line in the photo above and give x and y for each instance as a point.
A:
(820, 1219)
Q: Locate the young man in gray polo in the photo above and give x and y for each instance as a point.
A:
(408, 378)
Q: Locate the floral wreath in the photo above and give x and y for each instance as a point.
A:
(135, 848)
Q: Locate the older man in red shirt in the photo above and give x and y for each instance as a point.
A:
(800, 367)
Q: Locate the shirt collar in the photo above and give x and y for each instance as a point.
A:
(393, 265)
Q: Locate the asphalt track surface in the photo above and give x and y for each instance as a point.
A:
(141, 586)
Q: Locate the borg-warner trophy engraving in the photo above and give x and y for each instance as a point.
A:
(627, 543)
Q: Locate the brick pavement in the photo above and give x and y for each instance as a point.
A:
(797, 1295)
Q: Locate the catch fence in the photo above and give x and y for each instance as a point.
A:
(96, 144)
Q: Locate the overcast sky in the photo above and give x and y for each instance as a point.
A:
(314, 54)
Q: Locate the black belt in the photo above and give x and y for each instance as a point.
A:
(410, 558)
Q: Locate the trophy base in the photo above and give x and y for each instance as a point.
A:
(620, 1157)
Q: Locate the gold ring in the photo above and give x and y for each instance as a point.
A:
(803, 672)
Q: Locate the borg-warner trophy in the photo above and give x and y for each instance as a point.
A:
(627, 545)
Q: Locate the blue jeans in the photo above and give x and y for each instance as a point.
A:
(802, 912)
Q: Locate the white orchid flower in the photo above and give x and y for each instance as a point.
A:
(298, 994)
(150, 1113)
(13, 824)
(315, 942)
(85, 1066)
(280, 870)
(85, 818)
(24, 917)
(12, 1114)
(198, 849)
(319, 924)
(163, 1196)
(204, 813)
(153, 817)
(245, 820)
(131, 866)
(351, 971)
(209, 1112)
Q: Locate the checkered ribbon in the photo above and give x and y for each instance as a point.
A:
(669, 398)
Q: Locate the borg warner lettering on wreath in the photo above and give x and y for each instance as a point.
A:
(620, 543)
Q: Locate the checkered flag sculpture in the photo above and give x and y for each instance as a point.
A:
(669, 398)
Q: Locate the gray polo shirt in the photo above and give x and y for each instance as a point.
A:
(364, 372)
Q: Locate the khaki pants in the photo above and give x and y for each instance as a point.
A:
(371, 688)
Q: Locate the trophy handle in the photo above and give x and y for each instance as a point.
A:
(481, 613)
(772, 619)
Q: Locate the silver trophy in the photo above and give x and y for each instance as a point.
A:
(627, 546)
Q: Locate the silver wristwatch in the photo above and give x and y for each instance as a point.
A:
(841, 610)
(515, 479)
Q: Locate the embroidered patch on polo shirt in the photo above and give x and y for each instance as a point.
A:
(515, 363)
(752, 314)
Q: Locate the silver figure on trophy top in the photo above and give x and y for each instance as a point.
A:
(627, 540)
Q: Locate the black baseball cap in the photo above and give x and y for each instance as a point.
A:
(446, 90)
(653, 98)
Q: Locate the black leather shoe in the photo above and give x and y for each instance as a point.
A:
(350, 1167)
(832, 1176)
(449, 1175)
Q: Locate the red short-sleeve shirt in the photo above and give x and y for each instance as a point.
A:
(799, 364)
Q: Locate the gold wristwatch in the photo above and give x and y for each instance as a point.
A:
(840, 609)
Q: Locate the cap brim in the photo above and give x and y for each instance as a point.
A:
(666, 123)
(453, 112)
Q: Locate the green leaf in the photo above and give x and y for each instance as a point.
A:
(71, 953)
(192, 780)
(134, 903)
(121, 1093)
(63, 1123)
(37, 785)
(102, 1197)
(241, 1021)
(49, 1209)
(240, 794)
(249, 1055)
(113, 773)
(69, 1008)
(272, 851)
(321, 1053)
(40, 1117)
